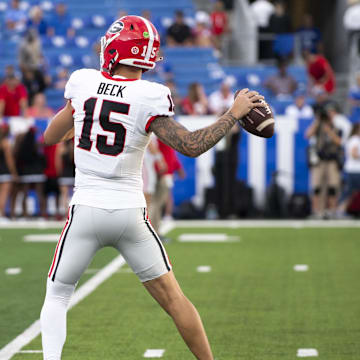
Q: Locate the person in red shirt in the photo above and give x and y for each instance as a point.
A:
(13, 97)
(164, 184)
(195, 103)
(320, 72)
(219, 23)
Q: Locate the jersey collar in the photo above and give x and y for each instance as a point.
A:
(116, 77)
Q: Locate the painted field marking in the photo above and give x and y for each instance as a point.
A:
(307, 353)
(13, 271)
(207, 238)
(203, 268)
(8, 351)
(154, 353)
(94, 271)
(301, 267)
(30, 352)
(41, 238)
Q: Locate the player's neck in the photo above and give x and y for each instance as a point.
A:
(128, 72)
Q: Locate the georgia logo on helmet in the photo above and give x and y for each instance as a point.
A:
(126, 33)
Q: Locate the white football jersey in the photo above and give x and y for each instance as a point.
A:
(111, 120)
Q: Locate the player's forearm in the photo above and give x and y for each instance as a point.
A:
(192, 143)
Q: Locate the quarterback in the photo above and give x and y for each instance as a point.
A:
(111, 114)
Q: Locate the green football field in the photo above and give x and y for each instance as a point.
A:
(253, 303)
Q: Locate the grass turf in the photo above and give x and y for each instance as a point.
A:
(253, 304)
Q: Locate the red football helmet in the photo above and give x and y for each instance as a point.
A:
(130, 40)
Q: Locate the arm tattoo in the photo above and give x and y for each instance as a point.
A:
(191, 143)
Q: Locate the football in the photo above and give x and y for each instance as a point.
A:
(259, 121)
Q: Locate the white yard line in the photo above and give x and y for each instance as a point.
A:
(301, 267)
(307, 353)
(207, 238)
(42, 238)
(154, 353)
(30, 352)
(87, 288)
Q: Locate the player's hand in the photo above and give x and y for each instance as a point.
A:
(245, 101)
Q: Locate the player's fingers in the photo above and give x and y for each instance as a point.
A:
(244, 91)
(257, 98)
(236, 94)
(251, 94)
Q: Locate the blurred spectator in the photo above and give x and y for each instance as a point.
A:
(174, 95)
(61, 22)
(62, 78)
(351, 167)
(153, 162)
(9, 72)
(8, 172)
(179, 33)
(51, 186)
(164, 184)
(202, 32)
(325, 162)
(300, 109)
(320, 73)
(39, 109)
(13, 97)
(281, 84)
(310, 36)
(30, 52)
(339, 120)
(64, 161)
(352, 18)
(34, 82)
(15, 18)
(195, 102)
(30, 163)
(354, 99)
(219, 23)
(321, 100)
(279, 22)
(222, 99)
(261, 11)
(37, 21)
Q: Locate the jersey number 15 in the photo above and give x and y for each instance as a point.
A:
(104, 119)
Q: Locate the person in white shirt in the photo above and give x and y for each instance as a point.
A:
(220, 100)
(340, 121)
(351, 18)
(261, 11)
(351, 168)
(300, 109)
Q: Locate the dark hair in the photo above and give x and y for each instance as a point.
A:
(355, 129)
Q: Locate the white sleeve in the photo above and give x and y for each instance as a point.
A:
(161, 105)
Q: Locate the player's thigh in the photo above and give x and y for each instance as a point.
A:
(76, 247)
(142, 247)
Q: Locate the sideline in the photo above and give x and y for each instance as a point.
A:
(86, 289)
(169, 225)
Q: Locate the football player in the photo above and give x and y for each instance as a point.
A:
(111, 113)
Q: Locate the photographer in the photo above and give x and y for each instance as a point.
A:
(325, 161)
